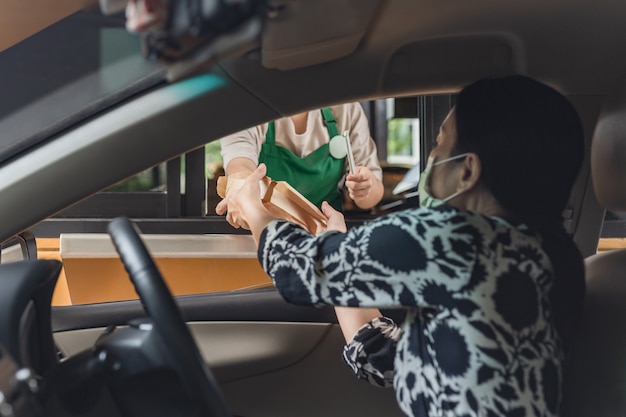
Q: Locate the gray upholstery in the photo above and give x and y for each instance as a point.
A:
(608, 154)
(595, 375)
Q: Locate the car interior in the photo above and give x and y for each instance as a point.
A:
(69, 134)
(600, 344)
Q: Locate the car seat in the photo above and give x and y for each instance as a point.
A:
(25, 326)
(595, 372)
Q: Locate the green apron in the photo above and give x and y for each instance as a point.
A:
(315, 176)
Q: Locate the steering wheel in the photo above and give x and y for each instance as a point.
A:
(158, 302)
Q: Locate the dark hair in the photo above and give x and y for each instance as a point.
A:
(530, 142)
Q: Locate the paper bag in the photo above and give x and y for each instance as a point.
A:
(283, 201)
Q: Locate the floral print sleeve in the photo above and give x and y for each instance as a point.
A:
(478, 337)
(371, 351)
(389, 262)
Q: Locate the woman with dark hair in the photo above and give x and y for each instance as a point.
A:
(490, 283)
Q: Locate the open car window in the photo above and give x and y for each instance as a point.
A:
(197, 251)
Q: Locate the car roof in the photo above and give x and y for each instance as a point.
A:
(311, 54)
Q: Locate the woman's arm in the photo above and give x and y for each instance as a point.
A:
(384, 263)
(371, 351)
(351, 319)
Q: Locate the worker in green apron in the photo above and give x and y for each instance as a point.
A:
(296, 150)
(317, 173)
(316, 176)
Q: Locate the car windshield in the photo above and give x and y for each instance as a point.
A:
(65, 73)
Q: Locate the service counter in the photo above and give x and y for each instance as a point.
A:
(189, 264)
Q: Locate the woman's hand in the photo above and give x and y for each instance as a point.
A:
(335, 218)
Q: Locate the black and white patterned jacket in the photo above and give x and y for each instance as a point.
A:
(478, 339)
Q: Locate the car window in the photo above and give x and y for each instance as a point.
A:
(196, 250)
(174, 202)
(613, 233)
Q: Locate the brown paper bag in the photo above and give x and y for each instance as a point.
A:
(283, 201)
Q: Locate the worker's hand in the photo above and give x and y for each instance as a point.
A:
(359, 184)
(335, 218)
(223, 207)
(242, 191)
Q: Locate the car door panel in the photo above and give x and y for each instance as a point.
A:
(233, 350)
(270, 357)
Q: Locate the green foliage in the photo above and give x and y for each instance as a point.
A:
(213, 158)
(400, 137)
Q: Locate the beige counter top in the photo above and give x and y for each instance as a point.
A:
(99, 245)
